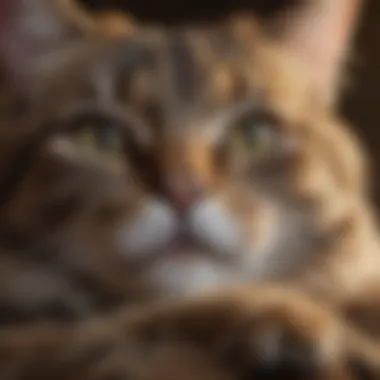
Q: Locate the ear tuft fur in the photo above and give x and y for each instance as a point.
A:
(320, 32)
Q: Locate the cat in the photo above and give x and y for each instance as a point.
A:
(161, 164)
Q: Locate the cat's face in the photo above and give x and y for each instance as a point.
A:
(199, 157)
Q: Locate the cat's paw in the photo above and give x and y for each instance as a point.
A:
(263, 331)
(285, 334)
(259, 333)
(256, 333)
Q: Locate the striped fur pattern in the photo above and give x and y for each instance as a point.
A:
(165, 163)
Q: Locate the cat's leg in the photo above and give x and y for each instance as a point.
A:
(266, 331)
(245, 334)
(107, 349)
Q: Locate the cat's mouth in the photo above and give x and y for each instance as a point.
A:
(184, 247)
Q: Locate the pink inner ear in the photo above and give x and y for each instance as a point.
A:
(335, 38)
(320, 33)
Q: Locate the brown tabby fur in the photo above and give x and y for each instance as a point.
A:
(218, 337)
(61, 206)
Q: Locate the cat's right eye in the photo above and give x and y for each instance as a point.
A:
(102, 138)
(253, 133)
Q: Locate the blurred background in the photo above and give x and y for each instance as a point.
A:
(359, 103)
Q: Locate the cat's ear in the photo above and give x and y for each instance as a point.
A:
(114, 24)
(29, 29)
(320, 32)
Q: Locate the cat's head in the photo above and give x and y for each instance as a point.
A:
(199, 155)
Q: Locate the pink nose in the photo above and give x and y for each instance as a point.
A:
(182, 193)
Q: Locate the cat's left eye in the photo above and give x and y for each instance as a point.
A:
(254, 133)
(99, 138)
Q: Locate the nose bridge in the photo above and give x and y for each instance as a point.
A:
(186, 171)
(187, 159)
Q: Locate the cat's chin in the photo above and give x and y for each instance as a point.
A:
(184, 272)
(186, 249)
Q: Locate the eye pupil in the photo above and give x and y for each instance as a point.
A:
(102, 138)
(106, 136)
(262, 133)
(254, 133)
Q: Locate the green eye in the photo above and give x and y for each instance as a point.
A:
(100, 139)
(254, 134)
